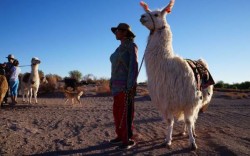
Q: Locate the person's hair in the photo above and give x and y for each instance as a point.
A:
(15, 63)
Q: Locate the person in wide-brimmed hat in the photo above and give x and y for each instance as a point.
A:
(124, 71)
(8, 66)
(123, 27)
(10, 56)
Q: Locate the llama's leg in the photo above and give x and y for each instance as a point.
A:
(195, 135)
(27, 94)
(30, 96)
(78, 100)
(35, 95)
(170, 124)
(190, 124)
(23, 94)
(184, 130)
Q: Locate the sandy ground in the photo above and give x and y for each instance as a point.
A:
(54, 128)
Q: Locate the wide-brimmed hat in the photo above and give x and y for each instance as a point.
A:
(10, 56)
(123, 26)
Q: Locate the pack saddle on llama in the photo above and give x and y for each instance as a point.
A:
(179, 88)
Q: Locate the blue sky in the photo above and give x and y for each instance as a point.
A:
(75, 34)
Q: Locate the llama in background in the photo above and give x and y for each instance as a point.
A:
(30, 82)
(174, 88)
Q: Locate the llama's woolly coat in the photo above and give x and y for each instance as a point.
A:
(171, 81)
(3, 87)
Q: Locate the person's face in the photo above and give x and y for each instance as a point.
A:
(11, 60)
(121, 34)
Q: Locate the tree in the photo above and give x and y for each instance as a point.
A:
(75, 74)
(90, 78)
(244, 85)
(219, 84)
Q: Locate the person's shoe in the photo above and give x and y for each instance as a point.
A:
(115, 141)
(130, 144)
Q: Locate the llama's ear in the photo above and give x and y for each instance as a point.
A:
(145, 6)
(168, 8)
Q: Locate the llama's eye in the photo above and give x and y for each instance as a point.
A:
(156, 15)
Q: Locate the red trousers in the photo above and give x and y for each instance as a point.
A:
(123, 111)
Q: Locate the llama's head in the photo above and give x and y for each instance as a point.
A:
(35, 61)
(155, 20)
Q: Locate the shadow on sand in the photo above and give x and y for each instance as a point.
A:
(105, 148)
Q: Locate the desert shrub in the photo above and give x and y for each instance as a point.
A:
(51, 86)
(102, 81)
(90, 79)
(244, 85)
(236, 95)
(143, 83)
(142, 91)
(58, 78)
(103, 87)
(41, 73)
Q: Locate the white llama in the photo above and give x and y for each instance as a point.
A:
(30, 81)
(171, 81)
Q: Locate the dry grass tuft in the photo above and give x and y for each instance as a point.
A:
(142, 91)
(236, 95)
(103, 88)
(49, 87)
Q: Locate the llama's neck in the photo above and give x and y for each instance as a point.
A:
(160, 43)
(34, 71)
(158, 52)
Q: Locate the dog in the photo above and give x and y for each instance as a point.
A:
(73, 96)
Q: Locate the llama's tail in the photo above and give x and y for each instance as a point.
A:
(207, 96)
(207, 92)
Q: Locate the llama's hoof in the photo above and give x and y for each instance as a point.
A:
(193, 147)
(168, 144)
